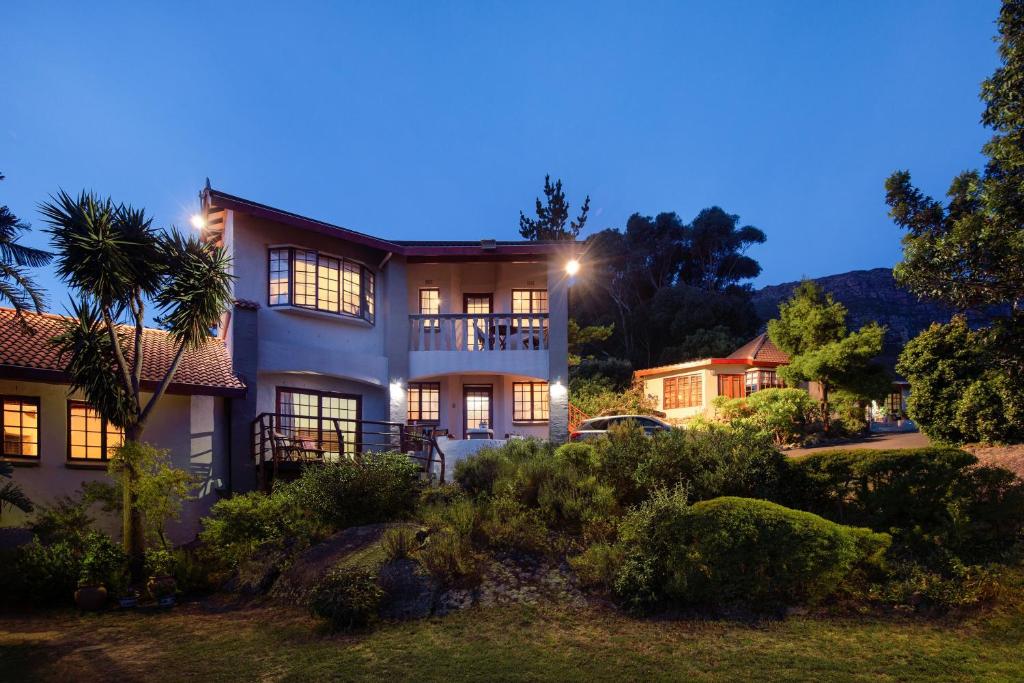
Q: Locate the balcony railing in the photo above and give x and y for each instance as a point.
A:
(483, 332)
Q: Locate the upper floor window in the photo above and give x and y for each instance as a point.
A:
(90, 437)
(430, 304)
(19, 422)
(529, 301)
(683, 392)
(530, 401)
(309, 279)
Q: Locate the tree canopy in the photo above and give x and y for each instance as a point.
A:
(16, 286)
(552, 216)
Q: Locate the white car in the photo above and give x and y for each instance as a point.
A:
(598, 426)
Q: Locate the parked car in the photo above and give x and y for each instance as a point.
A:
(598, 426)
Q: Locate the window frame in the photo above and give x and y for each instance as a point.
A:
(320, 394)
(531, 292)
(367, 283)
(32, 400)
(419, 387)
(435, 324)
(532, 420)
(692, 378)
(104, 456)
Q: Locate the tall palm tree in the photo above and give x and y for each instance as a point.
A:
(115, 261)
(16, 286)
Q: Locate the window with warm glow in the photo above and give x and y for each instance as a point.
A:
(683, 392)
(763, 379)
(308, 279)
(317, 418)
(20, 425)
(424, 400)
(430, 304)
(529, 301)
(530, 401)
(90, 437)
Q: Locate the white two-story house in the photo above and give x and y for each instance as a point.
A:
(340, 336)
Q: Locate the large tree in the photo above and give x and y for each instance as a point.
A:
(16, 286)
(115, 261)
(811, 328)
(969, 252)
(553, 215)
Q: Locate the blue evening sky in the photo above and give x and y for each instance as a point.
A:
(439, 120)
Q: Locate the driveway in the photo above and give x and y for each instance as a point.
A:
(894, 440)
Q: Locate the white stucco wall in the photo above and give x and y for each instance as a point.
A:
(654, 386)
(191, 427)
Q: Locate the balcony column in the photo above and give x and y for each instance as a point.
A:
(558, 351)
(396, 336)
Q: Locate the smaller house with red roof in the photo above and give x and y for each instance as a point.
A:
(686, 390)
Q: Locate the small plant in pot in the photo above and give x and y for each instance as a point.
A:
(161, 584)
(103, 567)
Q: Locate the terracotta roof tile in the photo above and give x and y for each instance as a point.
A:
(203, 370)
(761, 348)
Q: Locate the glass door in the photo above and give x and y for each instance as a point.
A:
(477, 329)
(477, 408)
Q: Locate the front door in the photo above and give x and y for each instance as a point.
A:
(477, 331)
(731, 386)
(477, 408)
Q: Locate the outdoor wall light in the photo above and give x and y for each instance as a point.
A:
(198, 222)
(572, 267)
(397, 390)
(558, 390)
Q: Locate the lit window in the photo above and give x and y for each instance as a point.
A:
(683, 392)
(90, 437)
(756, 380)
(318, 417)
(430, 304)
(424, 402)
(530, 401)
(529, 301)
(20, 424)
(303, 277)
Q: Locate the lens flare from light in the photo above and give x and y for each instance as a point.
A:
(198, 222)
(572, 267)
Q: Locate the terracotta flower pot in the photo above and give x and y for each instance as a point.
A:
(91, 598)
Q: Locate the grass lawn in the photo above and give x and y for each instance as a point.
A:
(217, 641)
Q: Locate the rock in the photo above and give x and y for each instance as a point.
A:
(408, 592)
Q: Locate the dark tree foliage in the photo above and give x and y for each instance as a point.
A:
(672, 289)
(552, 216)
(16, 286)
(968, 253)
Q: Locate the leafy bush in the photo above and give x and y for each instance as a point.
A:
(159, 562)
(449, 558)
(601, 396)
(66, 519)
(382, 487)
(597, 566)
(399, 543)
(239, 526)
(783, 415)
(39, 575)
(736, 551)
(477, 474)
(959, 586)
(103, 562)
(581, 456)
(510, 525)
(931, 499)
(347, 597)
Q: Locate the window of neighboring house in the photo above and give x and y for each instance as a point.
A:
(683, 392)
(308, 279)
(90, 437)
(424, 402)
(529, 301)
(430, 304)
(318, 417)
(530, 401)
(19, 423)
(756, 380)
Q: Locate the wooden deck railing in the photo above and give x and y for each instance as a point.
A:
(479, 332)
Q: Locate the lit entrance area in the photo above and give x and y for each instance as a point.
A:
(478, 410)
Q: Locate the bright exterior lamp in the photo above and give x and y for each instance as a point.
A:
(198, 222)
(558, 390)
(572, 267)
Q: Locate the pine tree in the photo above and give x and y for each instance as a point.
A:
(552, 217)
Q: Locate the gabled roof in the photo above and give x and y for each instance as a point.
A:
(27, 354)
(761, 348)
(215, 201)
(758, 352)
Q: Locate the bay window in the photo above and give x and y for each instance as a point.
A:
(309, 279)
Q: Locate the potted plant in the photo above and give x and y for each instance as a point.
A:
(161, 584)
(103, 565)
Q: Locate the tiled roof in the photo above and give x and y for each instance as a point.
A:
(26, 353)
(761, 348)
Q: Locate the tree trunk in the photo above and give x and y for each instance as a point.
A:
(826, 412)
(131, 519)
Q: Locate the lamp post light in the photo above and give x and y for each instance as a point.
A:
(198, 222)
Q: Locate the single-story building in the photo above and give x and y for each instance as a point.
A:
(56, 441)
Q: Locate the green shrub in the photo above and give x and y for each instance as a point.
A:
(40, 575)
(195, 572)
(239, 526)
(959, 586)
(597, 566)
(159, 562)
(103, 562)
(580, 456)
(399, 543)
(510, 525)
(66, 519)
(736, 551)
(382, 487)
(783, 415)
(930, 498)
(449, 558)
(347, 597)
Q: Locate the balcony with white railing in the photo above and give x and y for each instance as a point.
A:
(479, 342)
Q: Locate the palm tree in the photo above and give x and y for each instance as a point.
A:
(16, 286)
(115, 262)
(11, 494)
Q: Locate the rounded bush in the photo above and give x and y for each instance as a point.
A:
(737, 551)
(582, 456)
(347, 597)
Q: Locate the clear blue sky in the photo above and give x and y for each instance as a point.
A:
(440, 119)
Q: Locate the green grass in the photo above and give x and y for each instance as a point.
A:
(220, 642)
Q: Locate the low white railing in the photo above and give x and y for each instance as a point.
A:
(489, 332)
